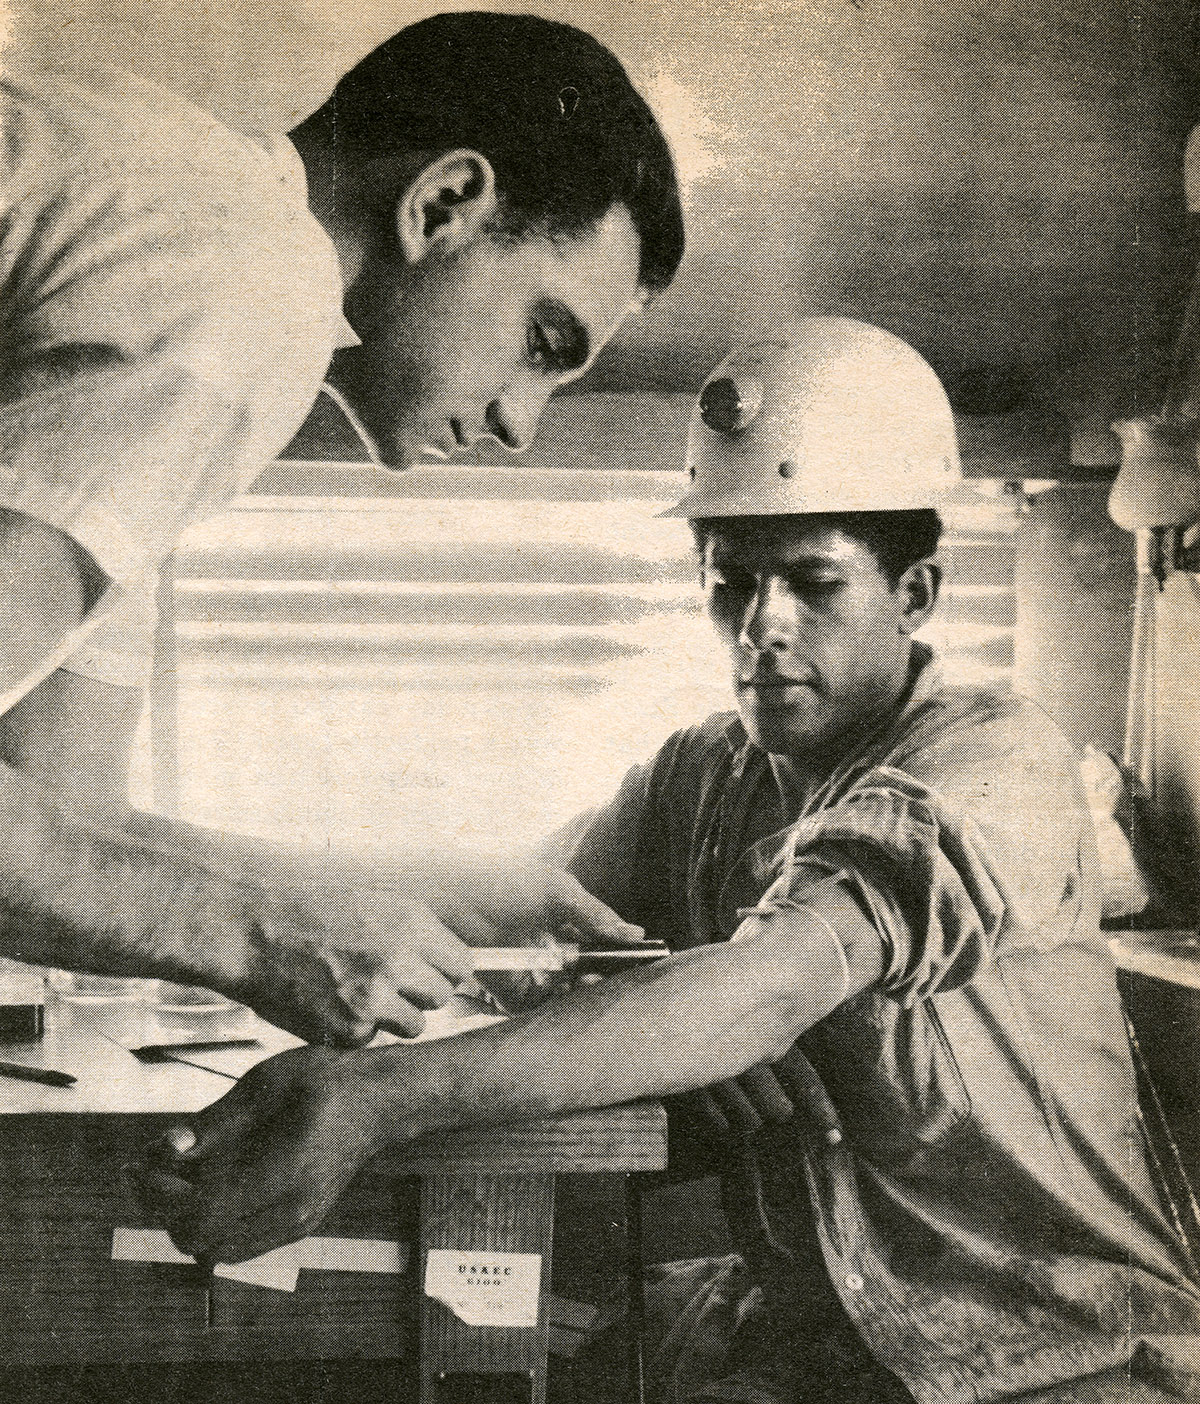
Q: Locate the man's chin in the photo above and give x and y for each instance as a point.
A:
(781, 733)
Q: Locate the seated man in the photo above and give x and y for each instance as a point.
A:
(880, 882)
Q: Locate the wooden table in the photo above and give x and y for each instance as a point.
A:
(63, 1300)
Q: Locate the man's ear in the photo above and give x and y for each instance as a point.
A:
(918, 589)
(447, 204)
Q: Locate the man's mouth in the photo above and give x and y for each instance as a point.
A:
(776, 688)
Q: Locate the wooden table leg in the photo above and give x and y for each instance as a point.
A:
(480, 1213)
(636, 1288)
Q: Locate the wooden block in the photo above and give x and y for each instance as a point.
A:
(498, 1213)
(631, 1138)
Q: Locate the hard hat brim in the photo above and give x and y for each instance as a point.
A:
(787, 504)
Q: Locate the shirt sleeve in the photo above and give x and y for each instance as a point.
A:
(605, 848)
(120, 650)
(157, 356)
(987, 854)
(633, 852)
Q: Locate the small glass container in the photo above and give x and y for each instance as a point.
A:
(22, 1002)
(82, 988)
(188, 999)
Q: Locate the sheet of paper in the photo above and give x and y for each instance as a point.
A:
(456, 1017)
(353, 1255)
(138, 1245)
(485, 1289)
(280, 1268)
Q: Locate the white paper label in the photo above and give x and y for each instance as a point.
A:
(280, 1268)
(485, 1289)
(137, 1245)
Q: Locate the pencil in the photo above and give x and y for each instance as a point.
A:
(50, 1077)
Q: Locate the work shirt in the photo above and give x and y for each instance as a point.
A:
(168, 308)
(988, 1222)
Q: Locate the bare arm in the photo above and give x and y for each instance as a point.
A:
(86, 884)
(697, 1018)
(264, 1165)
(326, 950)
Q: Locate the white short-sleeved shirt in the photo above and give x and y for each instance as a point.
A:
(168, 308)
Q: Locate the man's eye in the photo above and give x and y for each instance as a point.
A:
(815, 589)
(731, 582)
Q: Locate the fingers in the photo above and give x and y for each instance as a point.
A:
(800, 1080)
(181, 1139)
(167, 1200)
(208, 1225)
(438, 948)
(405, 977)
(391, 995)
(222, 1130)
(570, 904)
(411, 938)
(407, 1022)
(737, 1109)
(260, 1231)
(767, 1097)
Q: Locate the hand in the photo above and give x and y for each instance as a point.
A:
(773, 1093)
(335, 963)
(501, 904)
(522, 904)
(263, 1166)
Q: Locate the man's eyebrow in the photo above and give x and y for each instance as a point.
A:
(794, 564)
(572, 345)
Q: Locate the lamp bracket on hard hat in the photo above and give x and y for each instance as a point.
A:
(831, 416)
(728, 404)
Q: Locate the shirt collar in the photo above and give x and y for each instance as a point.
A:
(289, 168)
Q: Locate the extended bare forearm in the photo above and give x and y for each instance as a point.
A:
(690, 1021)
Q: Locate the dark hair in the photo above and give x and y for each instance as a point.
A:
(896, 539)
(552, 110)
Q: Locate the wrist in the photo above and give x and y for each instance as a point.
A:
(398, 1091)
(217, 948)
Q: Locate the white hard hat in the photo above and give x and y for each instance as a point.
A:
(830, 415)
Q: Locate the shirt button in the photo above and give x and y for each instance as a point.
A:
(854, 1282)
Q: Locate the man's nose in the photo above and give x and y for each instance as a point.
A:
(513, 418)
(770, 620)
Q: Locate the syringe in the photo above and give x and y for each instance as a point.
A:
(563, 955)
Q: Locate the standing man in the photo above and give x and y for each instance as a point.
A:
(882, 894)
(459, 229)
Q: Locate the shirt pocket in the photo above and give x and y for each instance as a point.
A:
(893, 1077)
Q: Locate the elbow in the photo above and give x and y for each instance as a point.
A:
(797, 982)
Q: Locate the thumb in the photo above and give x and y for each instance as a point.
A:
(570, 904)
(181, 1139)
(218, 1129)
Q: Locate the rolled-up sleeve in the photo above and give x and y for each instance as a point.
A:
(947, 892)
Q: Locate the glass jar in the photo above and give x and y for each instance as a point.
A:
(82, 988)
